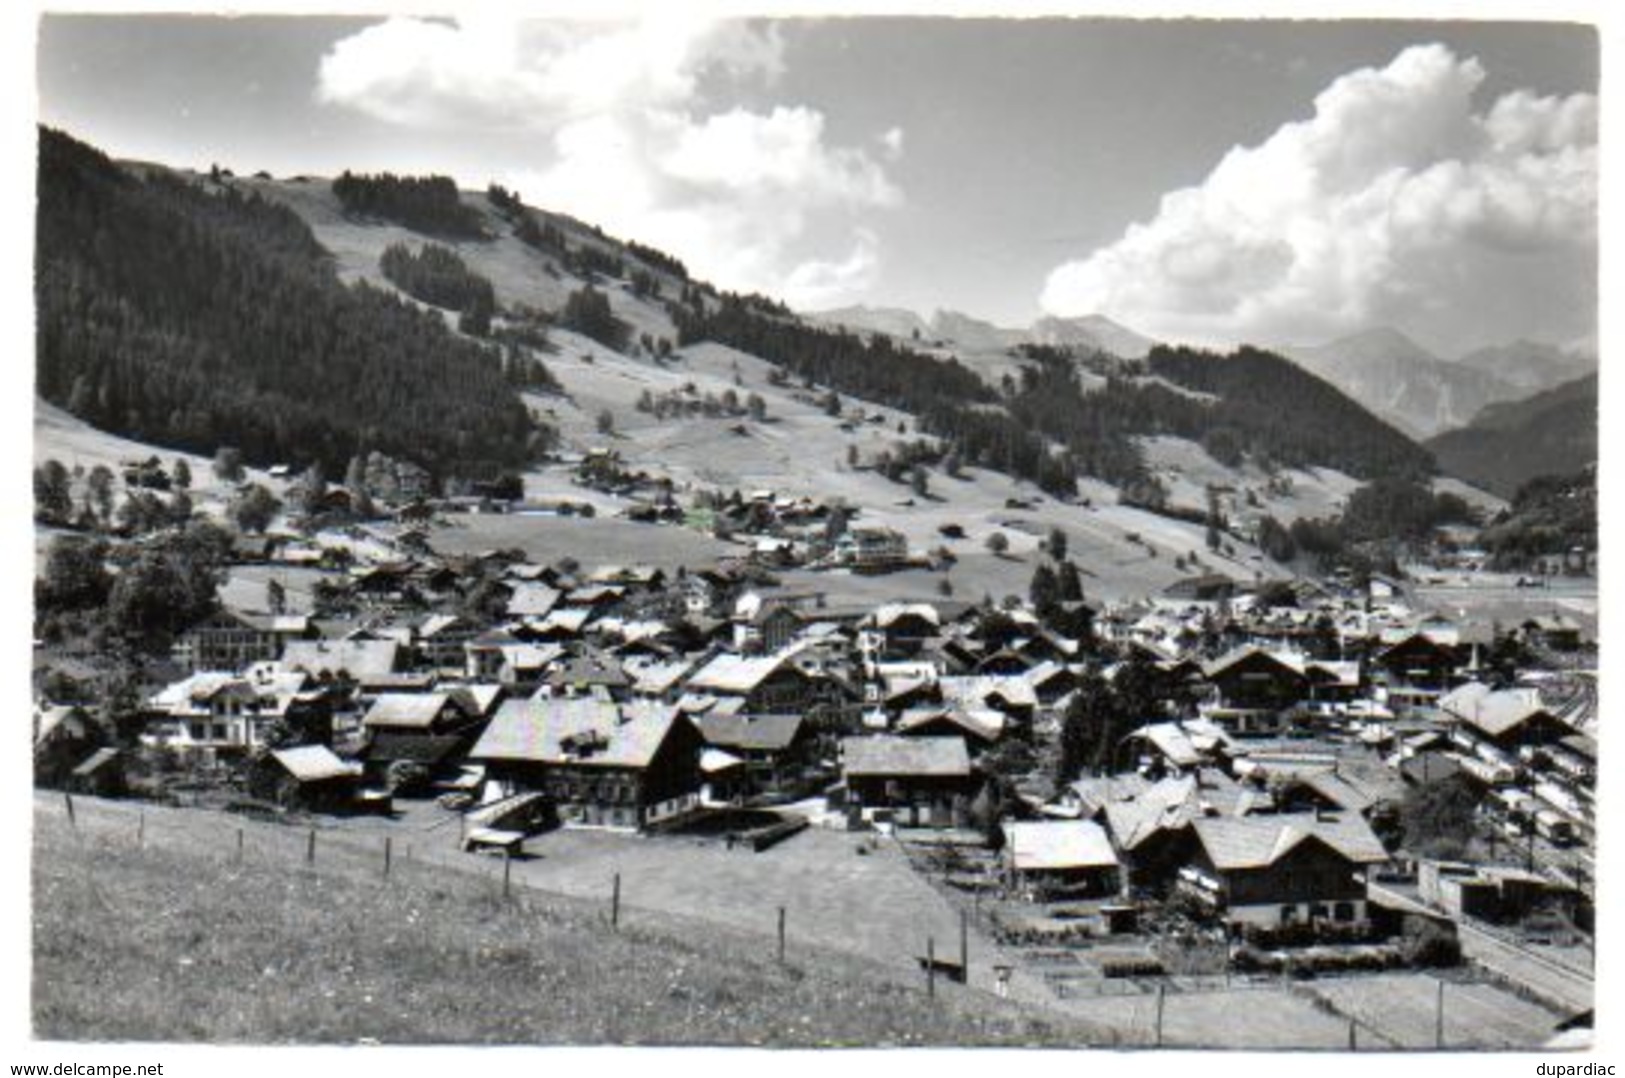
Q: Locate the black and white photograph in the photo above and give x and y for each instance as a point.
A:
(828, 529)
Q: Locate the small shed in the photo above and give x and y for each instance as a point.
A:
(1061, 857)
(101, 774)
(311, 777)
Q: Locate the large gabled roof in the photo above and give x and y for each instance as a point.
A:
(1258, 841)
(577, 731)
(1236, 656)
(731, 673)
(886, 755)
(761, 733)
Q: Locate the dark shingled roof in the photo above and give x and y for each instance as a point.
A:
(428, 749)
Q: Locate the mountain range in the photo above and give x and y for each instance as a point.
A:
(1553, 432)
(1425, 395)
(1397, 379)
(1094, 332)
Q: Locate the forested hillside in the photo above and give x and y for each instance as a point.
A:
(193, 316)
(1263, 404)
(1280, 409)
(1550, 515)
(1506, 445)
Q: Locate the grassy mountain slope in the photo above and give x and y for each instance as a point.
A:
(152, 944)
(799, 447)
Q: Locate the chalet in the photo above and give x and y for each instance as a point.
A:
(913, 781)
(532, 600)
(1506, 719)
(483, 656)
(383, 584)
(1051, 681)
(1428, 767)
(441, 640)
(1255, 689)
(562, 624)
(309, 777)
(898, 630)
(217, 712)
(432, 730)
(1282, 869)
(776, 751)
(1060, 858)
(871, 549)
(600, 763)
(1207, 588)
(64, 735)
(515, 665)
(364, 661)
(1419, 661)
(1013, 695)
(707, 592)
(591, 672)
(980, 727)
(101, 774)
(1361, 791)
(231, 640)
(771, 626)
(1167, 747)
(1336, 682)
(1005, 662)
(765, 683)
(658, 679)
(1556, 631)
(1150, 828)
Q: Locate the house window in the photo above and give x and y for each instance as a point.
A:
(1343, 911)
(1289, 915)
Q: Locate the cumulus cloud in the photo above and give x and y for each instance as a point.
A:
(819, 283)
(615, 122)
(1395, 203)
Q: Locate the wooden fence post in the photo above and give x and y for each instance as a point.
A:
(1352, 1045)
(1438, 1018)
(930, 967)
(141, 829)
(239, 845)
(781, 935)
(615, 904)
(67, 799)
(507, 873)
(388, 853)
(1162, 990)
(310, 848)
(964, 946)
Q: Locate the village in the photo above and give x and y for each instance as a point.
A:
(1300, 779)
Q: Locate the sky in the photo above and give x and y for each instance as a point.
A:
(1206, 181)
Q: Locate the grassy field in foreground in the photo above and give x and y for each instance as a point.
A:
(171, 943)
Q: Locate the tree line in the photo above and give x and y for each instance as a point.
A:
(435, 275)
(427, 204)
